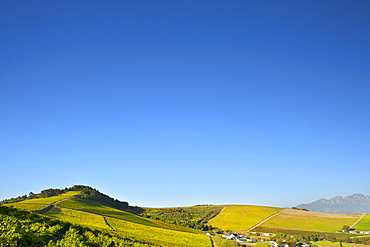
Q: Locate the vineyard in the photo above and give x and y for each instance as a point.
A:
(241, 218)
(64, 227)
(72, 221)
(90, 218)
(80, 218)
(40, 203)
(364, 224)
(105, 210)
(309, 221)
(192, 217)
(162, 237)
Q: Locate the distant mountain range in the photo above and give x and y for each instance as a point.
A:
(355, 204)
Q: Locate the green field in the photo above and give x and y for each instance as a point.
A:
(242, 217)
(290, 219)
(364, 224)
(40, 203)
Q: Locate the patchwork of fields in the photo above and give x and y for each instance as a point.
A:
(310, 221)
(242, 217)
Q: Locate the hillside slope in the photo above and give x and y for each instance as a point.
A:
(101, 221)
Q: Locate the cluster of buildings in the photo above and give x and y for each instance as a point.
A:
(241, 239)
(354, 231)
(237, 237)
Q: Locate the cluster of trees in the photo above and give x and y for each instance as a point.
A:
(95, 195)
(23, 228)
(86, 193)
(303, 209)
(195, 217)
(44, 194)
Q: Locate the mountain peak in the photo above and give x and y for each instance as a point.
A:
(356, 203)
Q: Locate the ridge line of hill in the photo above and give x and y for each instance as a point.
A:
(263, 221)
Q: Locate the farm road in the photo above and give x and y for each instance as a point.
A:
(362, 216)
(104, 217)
(54, 205)
(263, 221)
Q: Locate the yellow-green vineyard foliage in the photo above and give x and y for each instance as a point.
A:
(130, 230)
(242, 217)
(80, 218)
(309, 221)
(81, 237)
(23, 228)
(40, 203)
(364, 224)
(162, 237)
(103, 209)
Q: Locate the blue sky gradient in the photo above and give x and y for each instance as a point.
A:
(174, 103)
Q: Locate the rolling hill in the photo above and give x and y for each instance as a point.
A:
(84, 216)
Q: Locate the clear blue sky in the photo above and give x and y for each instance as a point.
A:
(173, 103)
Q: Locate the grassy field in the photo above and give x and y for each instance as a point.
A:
(242, 217)
(337, 244)
(290, 219)
(162, 237)
(364, 224)
(102, 209)
(40, 203)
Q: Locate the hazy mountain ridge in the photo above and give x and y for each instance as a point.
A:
(354, 204)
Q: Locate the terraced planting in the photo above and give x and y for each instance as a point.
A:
(40, 203)
(162, 237)
(364, 224)
(242, 217)
(102, 209)
(290, 219)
